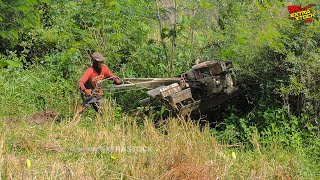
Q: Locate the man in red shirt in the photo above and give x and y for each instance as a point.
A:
(91, 80)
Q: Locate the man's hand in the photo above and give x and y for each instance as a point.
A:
(88, 92)
(117, 81)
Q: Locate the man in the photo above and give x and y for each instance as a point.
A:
(90, 81)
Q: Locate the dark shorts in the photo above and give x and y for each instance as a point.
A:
(94, 100)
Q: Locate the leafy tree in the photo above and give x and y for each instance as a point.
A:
(16, 18)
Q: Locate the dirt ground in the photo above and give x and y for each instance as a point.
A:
(46, 116)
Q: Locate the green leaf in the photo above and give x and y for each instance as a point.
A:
(116, 25)
(113, 3)
(14, 64)
(206, 5)
(3, 63)
(163, 109)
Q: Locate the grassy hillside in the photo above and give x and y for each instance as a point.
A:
(119, 147)
(270, 132)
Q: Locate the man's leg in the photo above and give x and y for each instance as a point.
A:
(84, 105)
(80, 109)
(97, 105)
(95, 100)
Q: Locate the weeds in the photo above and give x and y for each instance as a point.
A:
(112, 147)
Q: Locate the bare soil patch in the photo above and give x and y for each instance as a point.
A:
(46, 116)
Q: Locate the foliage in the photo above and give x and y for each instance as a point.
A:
(45, 46)
(17, 17)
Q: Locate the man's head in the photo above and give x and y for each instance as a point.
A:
(97, 61)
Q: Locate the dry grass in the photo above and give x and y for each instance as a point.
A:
(178, 150)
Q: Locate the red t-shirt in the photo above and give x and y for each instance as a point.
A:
(89, 79)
